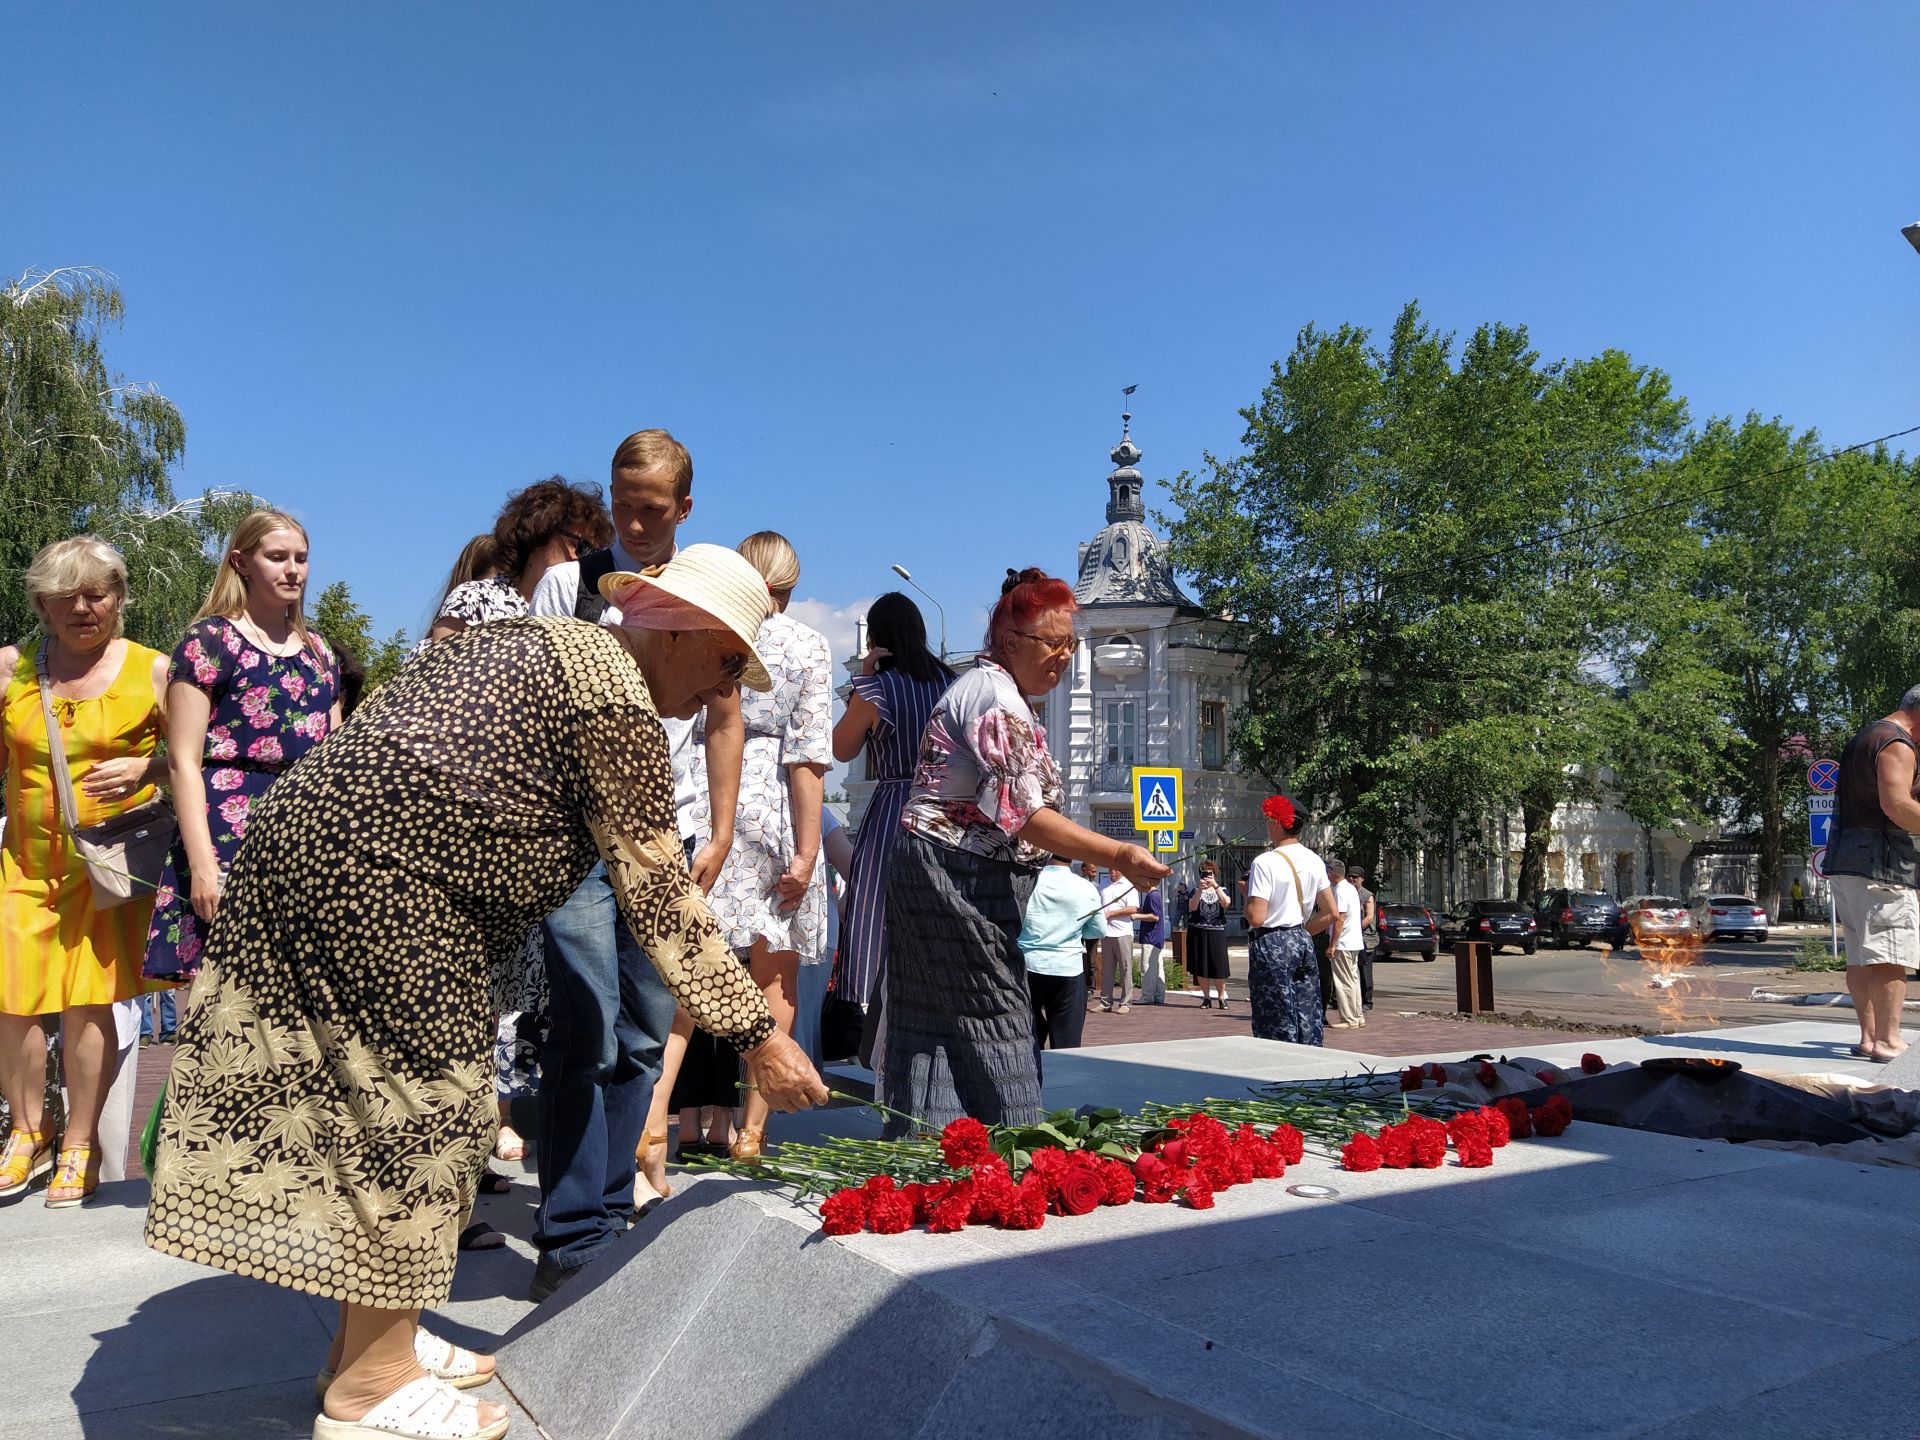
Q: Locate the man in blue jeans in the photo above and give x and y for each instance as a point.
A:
(610, 1013)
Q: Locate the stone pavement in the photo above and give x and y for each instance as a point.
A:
(1387, 1032)
(1611, 1284)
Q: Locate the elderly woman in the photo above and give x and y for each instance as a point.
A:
(332, 1099)
(61, 953)
(983, 814)
(1289, 901)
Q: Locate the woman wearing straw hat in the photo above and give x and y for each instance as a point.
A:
(332, 1097)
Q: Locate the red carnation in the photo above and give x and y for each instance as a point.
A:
(844, 1212)
(1268, 1162)
(1360, 1153)
(1496, 1123)
(1293, 1145)
(1476, 1154)
(1439, 1073)
(1487, 1074)
(878, 1184)
(1396, 1147)
(1413, 1077)
(1519, 1121)
(1465, 1130)
(965, 1142)
(1081, 1191)
(1547, 1077)
(889, 1213)
(1552, 1118)
(1199, 1193)
(1025, 1207)
(1119, 1181)
(1430, 1148)
(953, 1211)
(1592, 1063)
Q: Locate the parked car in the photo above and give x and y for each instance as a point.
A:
(1498, 922)
(1657, 919)
(1580, 917)
(1407, 930)
(1734, 916)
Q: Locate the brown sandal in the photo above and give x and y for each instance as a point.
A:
(746, 1144)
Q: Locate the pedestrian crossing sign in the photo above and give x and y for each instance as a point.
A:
(1166, 841)
(1156, 799)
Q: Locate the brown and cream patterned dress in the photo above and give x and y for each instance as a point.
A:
(331, 1102)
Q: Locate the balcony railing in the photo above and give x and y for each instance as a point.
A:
(1113, 776)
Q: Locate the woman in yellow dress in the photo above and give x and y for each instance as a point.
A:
(59, 955)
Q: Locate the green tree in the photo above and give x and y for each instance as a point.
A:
(1783, 581)
(349, 628)
(82, 449)
(1408, 536)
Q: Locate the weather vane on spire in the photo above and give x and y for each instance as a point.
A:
(1126, 411)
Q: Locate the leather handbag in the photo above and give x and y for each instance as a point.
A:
(841, 1019)
(125, 854)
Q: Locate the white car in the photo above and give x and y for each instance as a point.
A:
(1656, 919)
(1727, 917)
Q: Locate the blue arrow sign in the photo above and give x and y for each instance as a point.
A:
(1819, 827)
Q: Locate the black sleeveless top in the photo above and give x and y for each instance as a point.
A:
(594, 567)
(1864, 841)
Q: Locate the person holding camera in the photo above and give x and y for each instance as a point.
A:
(1207, 936)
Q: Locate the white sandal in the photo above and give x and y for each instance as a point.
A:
(423, 1409)
(441, 1359)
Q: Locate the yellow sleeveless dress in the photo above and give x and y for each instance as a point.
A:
(56, 950)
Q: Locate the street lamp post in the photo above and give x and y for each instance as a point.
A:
(901, 571)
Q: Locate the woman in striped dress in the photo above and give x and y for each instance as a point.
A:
(900, 683)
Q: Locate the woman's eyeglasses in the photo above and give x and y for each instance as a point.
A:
(581, 545)
(1052, 647)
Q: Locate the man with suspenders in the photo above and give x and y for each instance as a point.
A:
(610, 1013)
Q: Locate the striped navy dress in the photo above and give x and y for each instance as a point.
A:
(892, 747)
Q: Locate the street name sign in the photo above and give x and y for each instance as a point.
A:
(1156, 799)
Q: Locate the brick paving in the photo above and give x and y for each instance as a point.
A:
(1386, 1033)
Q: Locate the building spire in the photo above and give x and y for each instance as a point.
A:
(1124, 484)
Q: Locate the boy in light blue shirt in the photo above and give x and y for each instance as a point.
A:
(1064, 910)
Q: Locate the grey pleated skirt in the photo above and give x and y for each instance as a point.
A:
(959, 1027)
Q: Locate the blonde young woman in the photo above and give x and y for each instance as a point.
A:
(250, 690)
(59, 953)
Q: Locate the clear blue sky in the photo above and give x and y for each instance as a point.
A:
(884, 268)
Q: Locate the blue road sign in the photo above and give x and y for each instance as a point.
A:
(1823, 776)
(1156, 799)
(1819, 827)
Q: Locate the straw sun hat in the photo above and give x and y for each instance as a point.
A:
(704, 587)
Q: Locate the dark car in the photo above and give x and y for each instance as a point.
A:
(1407, 930)
(1498, 922)
(1580, 917)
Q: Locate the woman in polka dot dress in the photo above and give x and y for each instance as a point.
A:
(332, 1097)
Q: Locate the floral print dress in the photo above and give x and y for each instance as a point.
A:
(791, 724)
(267, 712)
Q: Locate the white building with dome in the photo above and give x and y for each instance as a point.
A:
(1155, 681)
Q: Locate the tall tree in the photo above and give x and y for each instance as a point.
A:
(1404, 533)
(1783, 532)
(82, 449)
(349, 628)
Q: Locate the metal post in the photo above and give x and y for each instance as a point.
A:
(902, 572)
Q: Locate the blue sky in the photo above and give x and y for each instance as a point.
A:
(885, 268)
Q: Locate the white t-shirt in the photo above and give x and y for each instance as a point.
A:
(1271, 880)
(1119, 892)
(1346, 899)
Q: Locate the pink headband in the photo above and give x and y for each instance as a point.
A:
(648, 607)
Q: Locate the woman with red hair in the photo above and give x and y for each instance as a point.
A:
(1289, 901)
(983, 813)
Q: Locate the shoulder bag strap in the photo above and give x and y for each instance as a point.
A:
(1299, 894)
(57, 752)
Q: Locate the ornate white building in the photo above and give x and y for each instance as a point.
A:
(1155, 681)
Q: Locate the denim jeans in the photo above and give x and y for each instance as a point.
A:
(609, 1017)
(161, 1000)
